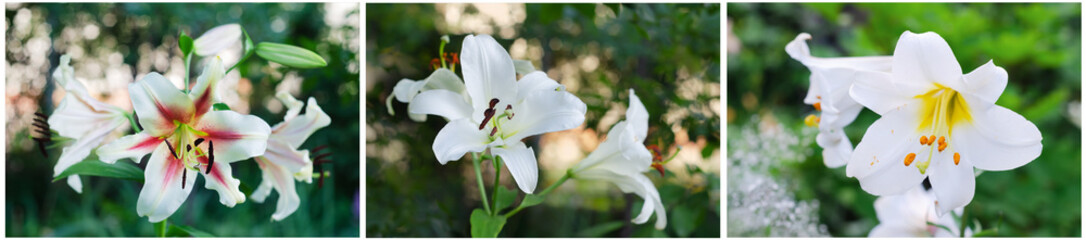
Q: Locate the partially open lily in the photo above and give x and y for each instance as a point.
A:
(217, 39)
(82, 118)
(501, 111)
(622, 159)
(936, 123)
(442, 78)
(828, 93)
(283, 162)
(909, 215)
(184, 137)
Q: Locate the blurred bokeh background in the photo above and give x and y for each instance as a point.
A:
(777, 183)
(668, 53)
(115, 44)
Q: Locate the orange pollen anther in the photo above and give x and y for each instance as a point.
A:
(931, 139)
(942, 146)
(942, 140)
(909, 159)
(923, 140)
(957, 158)
(818, 106)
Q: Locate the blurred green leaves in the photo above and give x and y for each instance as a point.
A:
(484, 225)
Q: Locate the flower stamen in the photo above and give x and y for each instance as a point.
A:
(811, 120)
(909, 159)
(957, 158)
(818, 106)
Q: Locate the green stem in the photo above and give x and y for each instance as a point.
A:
(132, 120)
(161, 228)
(479, 178)
(567, 176)
(188, 58)
(441, 54)
(497, 184)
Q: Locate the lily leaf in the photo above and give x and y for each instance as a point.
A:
(220, 106)
(101, 169)
(485, 226)
(505, 198)
(186, 231)
(185, 43)
(290, 55)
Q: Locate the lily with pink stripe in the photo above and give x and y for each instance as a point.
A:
(185, 137)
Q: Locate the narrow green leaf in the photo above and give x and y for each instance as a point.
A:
(485, 226)
(290, 55)
(220, 106)
(186, 231)
(185, 42)
(532, 200)
(601, 229)
(505, 198)
(987, 233)
(98, 168)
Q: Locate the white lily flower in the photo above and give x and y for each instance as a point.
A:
(184, 136)
(282, 160)
(443, 79)
(828, 93)
(907, 215)
(502, 110)
(622, 159)
(933, 116)
(217, 39)
(82, 118)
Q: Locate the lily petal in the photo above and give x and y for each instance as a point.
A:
(162, 193)
(999, 139)
(221, 179)
(926, 57)
(878, 161)
(836, 147)
(536, 81)
(638, 117)
(637, 184)
(953, 183)
(279, 178)
(296, 130)
(203, 93)
(459, 137)
(876, 91)
(283, 155)
(621, 152)
(236, 136)
(79, 150)
(133, 146)
(442, 78)
(543, 112)
(75, 183)
(523, 67)
(159, 104)
(217, 39)
(440, 102)
(986, 82)
(520, 160)
(488, 74)
(294, 106)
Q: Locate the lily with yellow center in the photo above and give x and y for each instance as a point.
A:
(184, 136)
(501, 112)
(937, 123)
(828, 94)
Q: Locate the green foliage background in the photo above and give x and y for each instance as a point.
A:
(36, 206)
(1038, 44)
(646, 45)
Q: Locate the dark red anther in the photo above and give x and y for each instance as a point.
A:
(323, 155)
(184, 175)
(455, 58)
(42, 115)
(171, 148)
(659, 167)
(319, 148)
(493, 102)
(318, 162)
(657, 158)
(493, 131)
(507, 109)
(198, 141)
(42, 128)
(489, 113)
(210, 156)
(435, 63)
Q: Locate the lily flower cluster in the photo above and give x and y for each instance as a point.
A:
(492, 111)
(188, 133)
(936, 122)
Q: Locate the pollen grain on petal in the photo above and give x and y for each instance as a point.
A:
(818, 106)
(909, 159)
